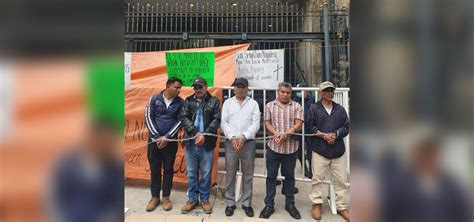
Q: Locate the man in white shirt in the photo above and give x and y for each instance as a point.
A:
(240, 122)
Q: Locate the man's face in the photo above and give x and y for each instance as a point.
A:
(174, 89)
(284, 94)
(200, 91)
(328, 94)
(241, 91)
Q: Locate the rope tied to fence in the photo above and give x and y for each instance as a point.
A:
(213, 135)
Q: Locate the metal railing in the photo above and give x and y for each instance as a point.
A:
(295, 26)
(341, 96)
(253, 17)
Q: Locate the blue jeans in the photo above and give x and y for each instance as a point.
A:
(287, 163)
(199, 163)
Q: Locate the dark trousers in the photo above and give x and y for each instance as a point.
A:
(288, 163)
(161, 159)
(307, 156)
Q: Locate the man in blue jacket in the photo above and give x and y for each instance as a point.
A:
(163, 122)
(329, 123)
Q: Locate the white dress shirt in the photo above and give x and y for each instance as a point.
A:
(240, 119)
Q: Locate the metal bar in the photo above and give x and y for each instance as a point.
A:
(242, 17)
(227, 16)
(142, 17)
(251, 36)
(176, 15)
(267, 14)
(264, 132)
(281, 177)
(297, 19)
(186, 18)
(247, 17)
(147, 17)
(303, 153)
(308, 17)
(207, 17)
(181, 15)
(326, 43)
(197, 17)
(281, 18)
(133, 18)
(202, 19)
(191, 18)
(222, 20)
(287, 17)
(213, 16)
(261, 19)
(166, 18)
(338, 90)
(154, 23)
(161, 19)
(271, 18)
(128, 18)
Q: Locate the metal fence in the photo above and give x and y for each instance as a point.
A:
(262, 96)
(230, 18)
(299, 28)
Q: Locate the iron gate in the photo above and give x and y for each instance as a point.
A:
(297, 27)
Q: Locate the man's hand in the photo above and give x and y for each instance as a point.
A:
(280, 138)
(234, 142)
(161, 142)
(158, 143)
(277, 139)
(199, 141)
(330, 138)
(164, 142)
(241, 142)
(284, 137)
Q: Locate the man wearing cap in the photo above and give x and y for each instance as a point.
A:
(329, 123)
(240, 123)
(200, 114)
(283, 117)
(163, 122)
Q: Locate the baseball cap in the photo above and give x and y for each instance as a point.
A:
(241, 81)
(199, 81)
(326, 85)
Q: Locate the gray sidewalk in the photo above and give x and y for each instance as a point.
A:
(137, 195)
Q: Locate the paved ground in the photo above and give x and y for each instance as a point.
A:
(137, 195)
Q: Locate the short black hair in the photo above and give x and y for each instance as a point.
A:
(173, 80)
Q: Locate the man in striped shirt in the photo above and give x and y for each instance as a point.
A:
(282, 118)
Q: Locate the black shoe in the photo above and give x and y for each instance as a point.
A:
(278, 182)
(293, 211)
(295, 191)
(248, 211)
(267, 212)
(229, 211)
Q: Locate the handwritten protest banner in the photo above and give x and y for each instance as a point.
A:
(262, 68)
(189, 65)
